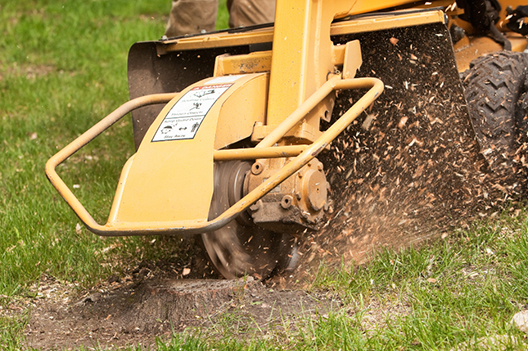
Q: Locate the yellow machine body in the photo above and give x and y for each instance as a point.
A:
(166, 187)
(178, 149)
(267, 96)
(159, 185)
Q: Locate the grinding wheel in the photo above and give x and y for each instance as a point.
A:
(241, 247)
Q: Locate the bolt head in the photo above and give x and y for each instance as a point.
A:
(257, 168)
(286, 202)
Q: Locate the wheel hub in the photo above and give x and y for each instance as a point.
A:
(241, 247)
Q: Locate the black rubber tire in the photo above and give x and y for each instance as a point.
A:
(495, 86)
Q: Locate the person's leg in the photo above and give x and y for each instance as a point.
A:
(250, 12)
(191, 16)
(229, 4)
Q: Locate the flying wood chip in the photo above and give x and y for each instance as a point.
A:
(431, 172)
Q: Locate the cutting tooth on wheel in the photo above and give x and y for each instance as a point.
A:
(241, 247)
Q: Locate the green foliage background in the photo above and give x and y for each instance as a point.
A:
(63, 68)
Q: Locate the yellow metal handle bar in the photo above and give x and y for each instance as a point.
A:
(84, 139)
(304, 155)
(301, 111)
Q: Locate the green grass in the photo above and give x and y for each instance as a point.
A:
(223, 15)
(464, 288)
(458, 293)
(63, 67)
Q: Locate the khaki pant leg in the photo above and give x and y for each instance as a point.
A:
(191, 16)
(250, 12)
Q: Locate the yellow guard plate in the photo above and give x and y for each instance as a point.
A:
(170, 178)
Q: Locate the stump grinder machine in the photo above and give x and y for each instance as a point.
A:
(342, 126)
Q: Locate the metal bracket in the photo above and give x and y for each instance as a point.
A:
(262, 149)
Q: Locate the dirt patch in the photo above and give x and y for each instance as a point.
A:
(139, 311)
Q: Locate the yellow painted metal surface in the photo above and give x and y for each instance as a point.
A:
(301, 133)
(166, 187)
(299, 114)
(84, 139)
(260, 61)
(376, 23)
(352, 60)
(245, 107)
(255, 153)
(366, 6)
(170, 178)
(217, 40)
(370, 23)
(254, 62)
(157, 184)
(302, 55)
(478, 46)
(116, 226)
(347, 57)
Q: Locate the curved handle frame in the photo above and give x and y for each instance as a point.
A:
(265, 149)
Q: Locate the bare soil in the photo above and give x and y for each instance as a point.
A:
(121, 314)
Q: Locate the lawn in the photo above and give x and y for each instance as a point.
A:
(63, 68)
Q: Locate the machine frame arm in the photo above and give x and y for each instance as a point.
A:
(304, 154)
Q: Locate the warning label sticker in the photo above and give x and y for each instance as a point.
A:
(185, 117)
